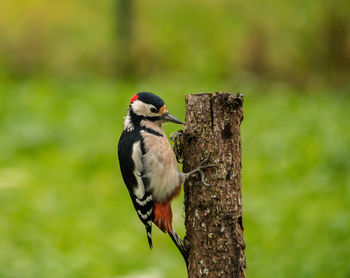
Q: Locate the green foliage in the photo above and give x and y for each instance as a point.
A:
(66, 213)
(64, 209)
(297, 42)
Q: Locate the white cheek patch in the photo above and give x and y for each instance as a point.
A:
(142, 109)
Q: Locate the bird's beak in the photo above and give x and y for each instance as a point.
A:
(170, 118)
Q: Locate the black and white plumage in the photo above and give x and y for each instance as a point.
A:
(131, 167)
(148, 164)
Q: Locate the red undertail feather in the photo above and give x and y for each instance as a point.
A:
(163, 216)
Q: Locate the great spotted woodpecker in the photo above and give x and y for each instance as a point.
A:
(148, 164)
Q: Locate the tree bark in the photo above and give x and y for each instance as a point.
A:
(214, 226)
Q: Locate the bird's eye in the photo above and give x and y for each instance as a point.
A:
(153, 110)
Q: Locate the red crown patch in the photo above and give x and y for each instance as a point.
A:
(135, 97)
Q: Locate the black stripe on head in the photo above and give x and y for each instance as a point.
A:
(136, 119)
(150, 98)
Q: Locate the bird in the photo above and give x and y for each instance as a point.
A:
(148, 164)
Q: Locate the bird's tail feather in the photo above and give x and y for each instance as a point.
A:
(179, 244)
(149, 235)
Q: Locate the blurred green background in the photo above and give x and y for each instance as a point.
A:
(67, 71)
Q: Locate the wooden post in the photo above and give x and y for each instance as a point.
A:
(214, 226)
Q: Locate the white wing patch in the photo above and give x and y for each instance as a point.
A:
(139, 190)
(145, 216)
(144, 202)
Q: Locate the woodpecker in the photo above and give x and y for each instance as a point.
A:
(148, 164)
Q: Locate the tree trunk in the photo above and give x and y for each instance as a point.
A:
(125, 34)
(214, 227)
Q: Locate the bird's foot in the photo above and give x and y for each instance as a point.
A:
(200, 171)
(176, 137)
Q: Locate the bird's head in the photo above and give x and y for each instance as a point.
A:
(151, 107)
(148, 106)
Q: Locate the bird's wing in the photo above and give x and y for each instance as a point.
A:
(143, 197)
(132, 170)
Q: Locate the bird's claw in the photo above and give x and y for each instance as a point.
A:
(203, 177)
(201, 172)
(177, 147)
(173, 136)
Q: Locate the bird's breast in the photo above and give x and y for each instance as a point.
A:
(160, 166)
